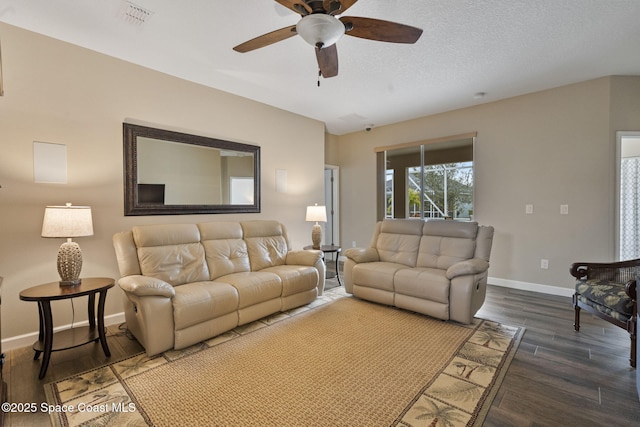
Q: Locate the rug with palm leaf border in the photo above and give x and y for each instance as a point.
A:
(346, 362)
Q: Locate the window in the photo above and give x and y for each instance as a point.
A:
(388, 191)
(447, 190)
(428, 179)
(628, 195)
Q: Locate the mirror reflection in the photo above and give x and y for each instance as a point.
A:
(174, 173)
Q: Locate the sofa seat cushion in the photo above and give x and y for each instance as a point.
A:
(254, 287)
(607, 297)
(377, 275)
(295, 278)
(427, 283)
(198, 302)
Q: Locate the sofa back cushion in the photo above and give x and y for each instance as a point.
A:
(126, 253)
(446, 242)
(267, 243)
(225, 251)
(484, 241)
(171, 252)
(398, 241)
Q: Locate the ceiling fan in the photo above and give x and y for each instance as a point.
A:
(320, 28)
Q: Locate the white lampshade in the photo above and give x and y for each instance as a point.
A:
(316, 213)
(67, 221)
(320, 30)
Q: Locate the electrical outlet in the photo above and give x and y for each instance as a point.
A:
(564, 209)
(528, 209)
(353, 244)
(544, 264)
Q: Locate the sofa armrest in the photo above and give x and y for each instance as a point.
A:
(303, 257)
(143, 286)
(467, 267)
(360, 255)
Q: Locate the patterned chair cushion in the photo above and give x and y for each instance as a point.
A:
(607, 297)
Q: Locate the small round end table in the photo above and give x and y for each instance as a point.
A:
(74, 337)
(327, 249)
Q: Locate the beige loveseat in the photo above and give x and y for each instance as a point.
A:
(185, 283)
(437, 267)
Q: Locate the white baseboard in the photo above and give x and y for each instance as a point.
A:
(532, 287)
(27, 340)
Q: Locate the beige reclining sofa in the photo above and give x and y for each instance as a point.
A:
(185, 283)
(438, 268)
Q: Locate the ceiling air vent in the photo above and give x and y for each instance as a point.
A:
(134, 14)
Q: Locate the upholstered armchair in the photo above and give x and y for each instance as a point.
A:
(608, 290)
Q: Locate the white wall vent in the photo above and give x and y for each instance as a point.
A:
(134, 14)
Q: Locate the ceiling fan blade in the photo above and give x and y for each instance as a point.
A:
(338, 9)
(328, 61)
(266, 39)
(377, 29)
(298, 6)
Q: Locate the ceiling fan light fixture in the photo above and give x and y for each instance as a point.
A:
(320, 30)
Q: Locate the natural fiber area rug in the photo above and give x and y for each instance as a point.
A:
(347, 362)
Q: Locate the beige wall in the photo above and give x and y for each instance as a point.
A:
(56, 92)
(331, 150)
(625, 103)
(548, 148)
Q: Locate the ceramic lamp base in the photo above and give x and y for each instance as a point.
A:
(316, 236)
(69, 264)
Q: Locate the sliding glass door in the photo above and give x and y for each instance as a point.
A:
(429, 179)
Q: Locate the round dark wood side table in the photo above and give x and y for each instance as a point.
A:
(327, 249)
(74, 337)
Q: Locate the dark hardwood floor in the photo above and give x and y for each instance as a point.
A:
(558, 377)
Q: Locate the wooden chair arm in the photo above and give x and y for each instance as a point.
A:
(620, 271)
(631, 289)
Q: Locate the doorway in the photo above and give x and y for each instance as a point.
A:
(332, 202)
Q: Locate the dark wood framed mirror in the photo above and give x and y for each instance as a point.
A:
(174, 173)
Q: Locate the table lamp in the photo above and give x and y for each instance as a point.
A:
(67, 222)
(316, 214)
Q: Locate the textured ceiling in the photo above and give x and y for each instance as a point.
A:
(503, 48)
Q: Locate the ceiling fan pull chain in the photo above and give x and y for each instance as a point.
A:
(319, 75)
